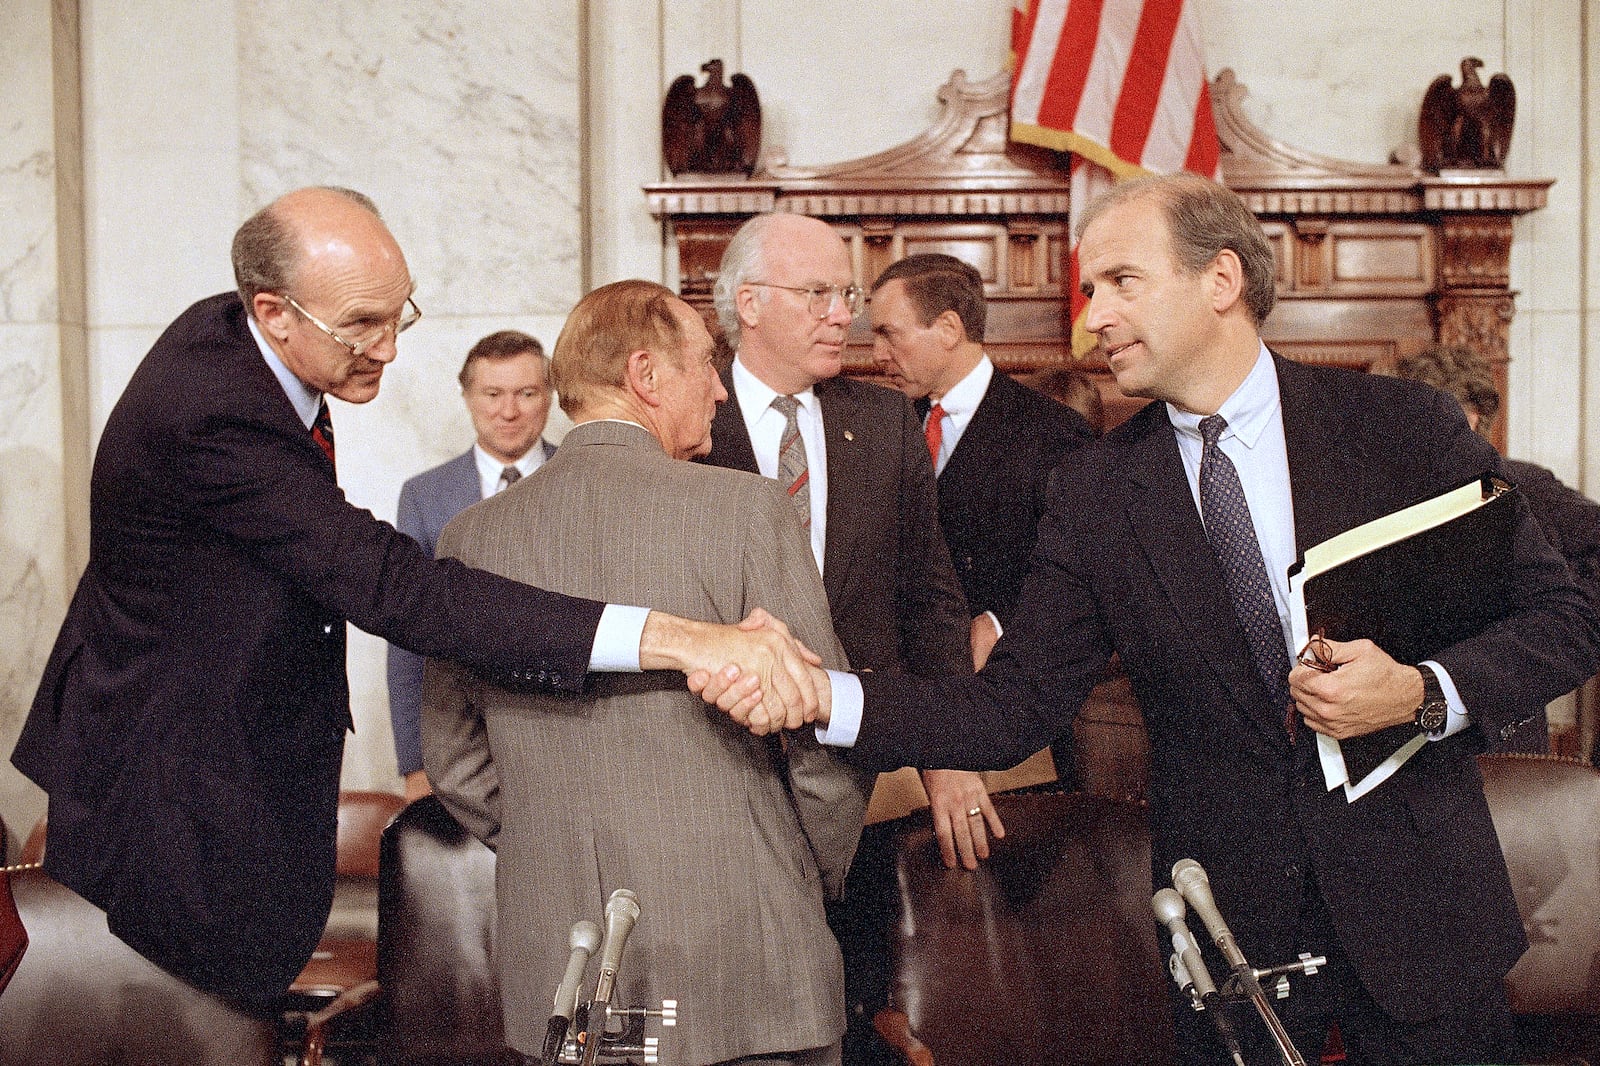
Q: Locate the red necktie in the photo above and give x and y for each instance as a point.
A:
(934, 432)
(322, 432)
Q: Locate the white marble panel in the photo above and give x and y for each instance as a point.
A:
(461, 121)
(1546, 417)
(27, 165)
(33, 585)
(161, 156)
(841, 80)
(1346, 80)
(628, 79)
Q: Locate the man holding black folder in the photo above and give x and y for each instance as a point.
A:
(1168, 543)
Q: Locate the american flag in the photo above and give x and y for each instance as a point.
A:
(1120, 84)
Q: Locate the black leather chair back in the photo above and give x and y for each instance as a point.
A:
(1047, 953)
(436, 929)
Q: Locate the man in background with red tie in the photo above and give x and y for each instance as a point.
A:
(190, 723)
(993, 443)
(506, 383)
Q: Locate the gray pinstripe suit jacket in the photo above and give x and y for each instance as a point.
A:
(728, 840)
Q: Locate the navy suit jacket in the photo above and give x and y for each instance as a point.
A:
(895, 600)
(1412, 873)
(427, 502)
(992, 488)
(190, 724)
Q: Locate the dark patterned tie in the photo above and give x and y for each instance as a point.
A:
(793, 473)
(322, 432)
(508, 477)
(1233, 538)
(933, 432)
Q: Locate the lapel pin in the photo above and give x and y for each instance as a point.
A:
(849, 435)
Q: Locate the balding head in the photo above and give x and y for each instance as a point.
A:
(324, 277)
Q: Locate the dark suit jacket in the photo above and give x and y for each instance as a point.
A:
(895, 600)
(427, 502)
(191, 719)
(992, 489)
(1412, 873)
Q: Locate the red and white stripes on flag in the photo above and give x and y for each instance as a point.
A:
(1120, 84)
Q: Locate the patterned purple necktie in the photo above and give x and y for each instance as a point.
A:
(1233, 538)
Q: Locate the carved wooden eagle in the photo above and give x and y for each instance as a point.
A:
(1467, 127)
(712, 129)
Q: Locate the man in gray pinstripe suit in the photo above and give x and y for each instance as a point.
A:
(729, 840)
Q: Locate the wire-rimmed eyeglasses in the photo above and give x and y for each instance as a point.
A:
(820, 298)
(361, 345)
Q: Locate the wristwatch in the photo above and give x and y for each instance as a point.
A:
(1434, 711)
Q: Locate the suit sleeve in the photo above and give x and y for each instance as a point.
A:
(780, 574)
(935, 626)
(455, 749)
(1028, 692)
(252, 481)
(405, 667)
(1549, 644)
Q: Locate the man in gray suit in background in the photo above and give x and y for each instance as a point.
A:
(505, 380)
(730, 841)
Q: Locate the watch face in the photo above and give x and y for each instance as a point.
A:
(1431, 715)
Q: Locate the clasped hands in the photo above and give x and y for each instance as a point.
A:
(756, 671)
(1367, 690)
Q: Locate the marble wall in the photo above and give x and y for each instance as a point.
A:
(506, 142)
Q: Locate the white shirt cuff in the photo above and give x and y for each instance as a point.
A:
(1457, 718)
(999, 630)
(616, 639)
(844, 720)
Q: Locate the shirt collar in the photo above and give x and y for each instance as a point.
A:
(965, 396)
(1248, 412)
(531, 460)
(305, 399)
(756, 396)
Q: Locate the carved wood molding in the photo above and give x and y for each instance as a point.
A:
(1374, 260)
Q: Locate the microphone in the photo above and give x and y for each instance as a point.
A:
(1189, 969)
(583, 939)
(1189, 878)
(622, 910)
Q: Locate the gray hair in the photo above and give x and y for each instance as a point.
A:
(266, 251)
(743, 260)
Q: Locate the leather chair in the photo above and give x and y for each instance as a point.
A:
(1546, 811)
(345, 963)
(436, 934)
(81, 997)
(1046, 953)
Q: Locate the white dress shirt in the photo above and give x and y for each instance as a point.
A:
(960, 404)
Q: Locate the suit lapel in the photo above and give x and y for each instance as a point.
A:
(842, 437)
(987, 421)
(1326, 476)
(1162, 513)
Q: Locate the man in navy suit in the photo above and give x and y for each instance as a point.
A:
(190, 723)
(993, 444)
(506, 383)
(1404, 889)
